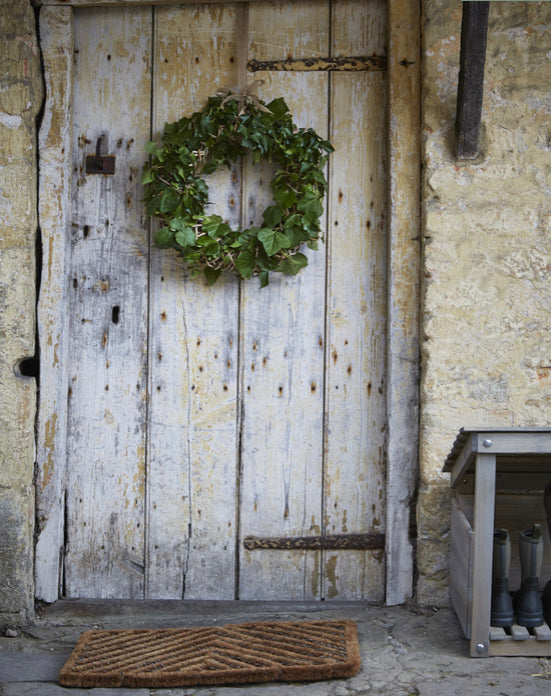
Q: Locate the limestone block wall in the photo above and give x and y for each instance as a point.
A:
(486, 320)
(20, 100)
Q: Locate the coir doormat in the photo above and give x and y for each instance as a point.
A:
(240, 653)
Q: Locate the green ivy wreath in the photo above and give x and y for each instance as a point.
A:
(230, 126)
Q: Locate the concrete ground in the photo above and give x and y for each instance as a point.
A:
(405, 651)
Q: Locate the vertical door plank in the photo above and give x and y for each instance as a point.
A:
(356, 347)
(108, 308)
(55, 140)
(404, 76)
(283, 342)
(194, 339)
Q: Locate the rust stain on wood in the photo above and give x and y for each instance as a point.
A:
(49, 445)
(331, 576)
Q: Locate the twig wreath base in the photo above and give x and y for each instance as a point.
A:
(229, 127)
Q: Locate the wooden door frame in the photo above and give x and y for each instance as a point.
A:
(55, 142)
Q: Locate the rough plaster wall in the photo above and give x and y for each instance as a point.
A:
(487, 225)
(20, 99)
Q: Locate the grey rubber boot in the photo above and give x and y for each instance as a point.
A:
(528, 604)
(547, 505)
(502, 602)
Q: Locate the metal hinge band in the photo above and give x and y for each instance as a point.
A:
(354, 63)
(342, 542)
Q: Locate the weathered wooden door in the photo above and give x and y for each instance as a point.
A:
(198, 416)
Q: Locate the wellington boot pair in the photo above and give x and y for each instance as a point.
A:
(525, 607)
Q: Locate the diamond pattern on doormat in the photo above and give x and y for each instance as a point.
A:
(233, 654)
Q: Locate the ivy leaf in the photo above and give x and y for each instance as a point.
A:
(245, 263)
(179, 212)
(310, 204)
(211, 225)
(294, 228)
(185, 237)
(272, 215)
(245, 237)
(201, 188)
(210, 167)
(190, 256)
(211, 275)
(265, 262)
(152, 206)
(148, 176)
(212, 250)
(164, 237)
(169, 201)
(296, 235)
(319, 176)
(286, 198)
(203, 241)
(278, 107)
(293, 264)
(311, 227)
(273, 241)
(153, 148)
(178, 223)
(263, 277)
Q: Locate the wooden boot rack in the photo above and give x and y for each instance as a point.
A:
(498, 476)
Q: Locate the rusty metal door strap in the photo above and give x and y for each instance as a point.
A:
(354, 63)
(342, 542)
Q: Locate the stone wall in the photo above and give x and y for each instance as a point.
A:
(486, 352)
(20, 100)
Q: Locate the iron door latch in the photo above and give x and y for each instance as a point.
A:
(100, 164)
